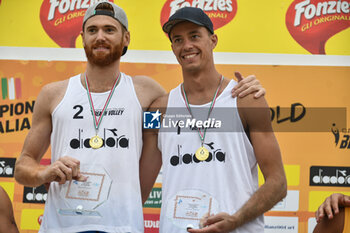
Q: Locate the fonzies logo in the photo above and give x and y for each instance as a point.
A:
(63, 19)
(312, 22)
(220, 12)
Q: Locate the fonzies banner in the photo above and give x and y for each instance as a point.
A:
(276, 26)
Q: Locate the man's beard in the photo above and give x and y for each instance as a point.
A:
(104, 59)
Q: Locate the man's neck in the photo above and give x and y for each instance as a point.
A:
(101, 79)
(200, 87)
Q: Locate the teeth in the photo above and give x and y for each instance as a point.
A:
(189, 56)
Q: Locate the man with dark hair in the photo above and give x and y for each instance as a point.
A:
(93, 123)
(210, 178)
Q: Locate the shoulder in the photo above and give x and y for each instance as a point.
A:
(145, 83)
(51, 89)
(160, 102)
(147, 90)
(250, 102)
(51, 94)
(254, 112)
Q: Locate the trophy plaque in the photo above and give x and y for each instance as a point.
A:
(82, 198)
(188, 207)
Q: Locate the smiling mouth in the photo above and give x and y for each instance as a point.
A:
(189, 56)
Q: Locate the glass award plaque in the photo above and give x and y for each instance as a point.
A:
(82, 198)
(188, 207)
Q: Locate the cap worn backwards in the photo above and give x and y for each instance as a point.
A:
(118, 14)
(191, 14)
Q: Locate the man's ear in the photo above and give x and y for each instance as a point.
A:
(214, 39)
(126, 39)
(82, 37)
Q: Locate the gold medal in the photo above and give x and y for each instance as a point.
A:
(202, 153)
(96, 142)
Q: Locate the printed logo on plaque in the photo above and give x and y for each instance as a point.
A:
(84, 198)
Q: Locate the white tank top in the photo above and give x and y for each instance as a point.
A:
(121, 130)
(230, 175)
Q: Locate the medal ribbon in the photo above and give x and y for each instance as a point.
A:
(202, 136)
(98, 121)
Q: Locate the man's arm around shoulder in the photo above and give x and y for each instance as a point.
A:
(151, 157)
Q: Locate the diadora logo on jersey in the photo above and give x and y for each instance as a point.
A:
(110, 138)
(186, 158)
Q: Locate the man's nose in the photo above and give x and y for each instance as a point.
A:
(100, 35)
(187, 44)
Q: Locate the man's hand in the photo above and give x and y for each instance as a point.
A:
(246, 86)
(64, 169)
(331, 206)
(219, 223)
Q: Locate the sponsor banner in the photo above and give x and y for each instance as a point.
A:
(155, 199)
(330, 176)
(287, 86)
(31, 219)
(7, 167)
(151, 223)
(221, 12)
(281, 224)
(11, 88)
(36, 195)
(312, 22)
(311, 224)
(62, 20)
(289, 203)
(160, 176)
(9, 187)
(292, 175)
(341, 136)
(276, 26)
(316, 198)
